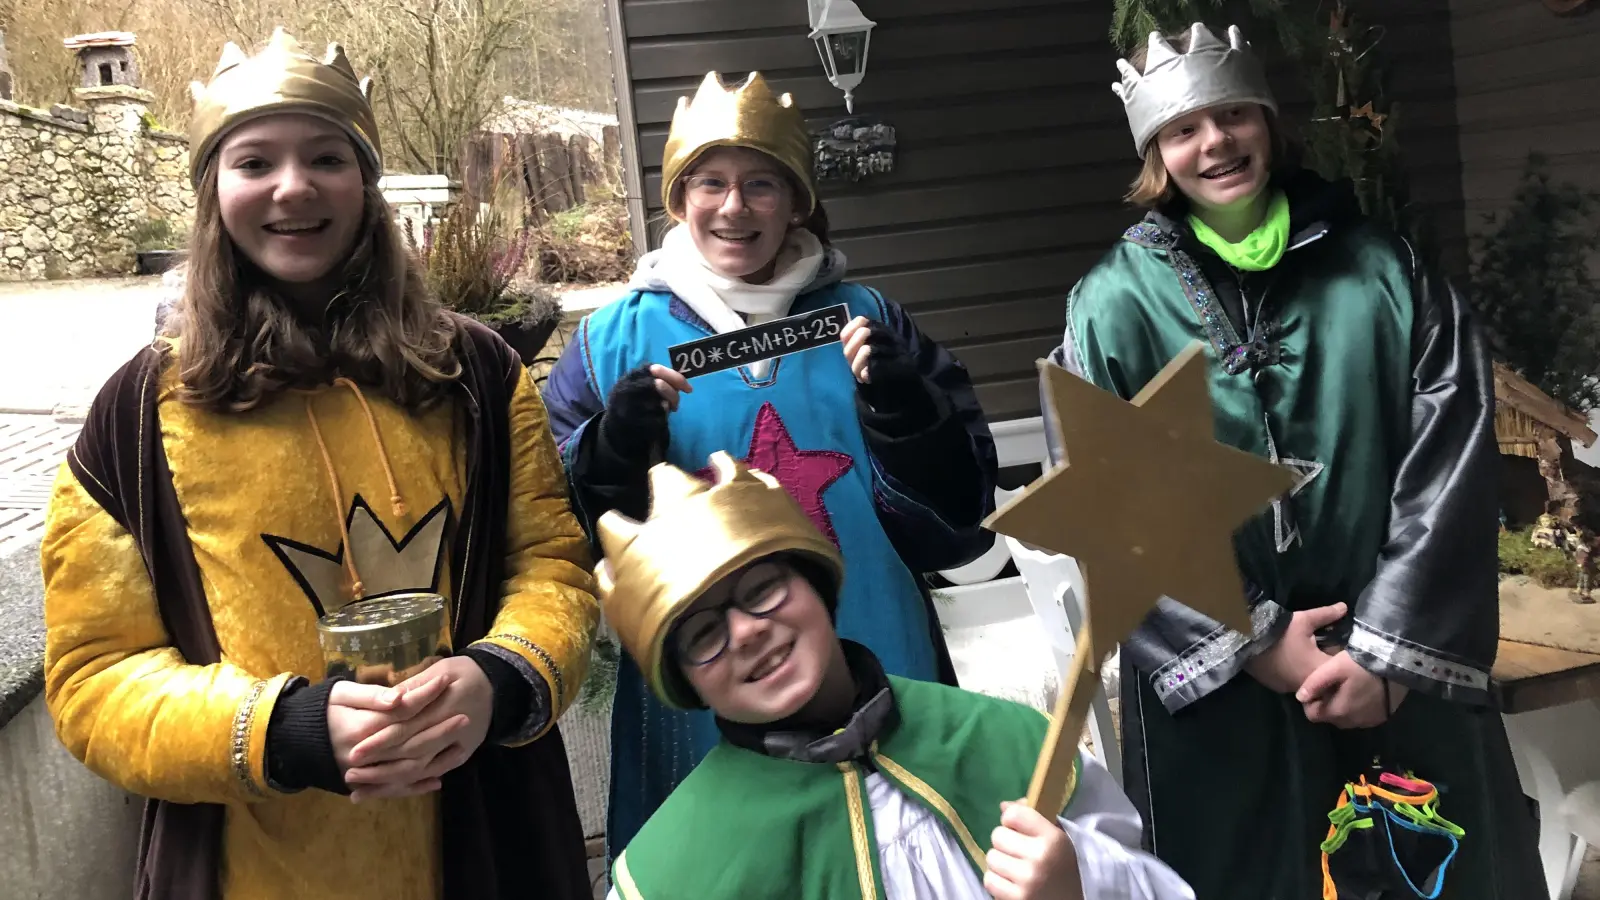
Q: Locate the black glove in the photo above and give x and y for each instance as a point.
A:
(894, 387)
(634, 424)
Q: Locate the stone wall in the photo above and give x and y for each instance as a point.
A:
(78, 184)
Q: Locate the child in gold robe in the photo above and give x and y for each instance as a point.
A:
(316, 431)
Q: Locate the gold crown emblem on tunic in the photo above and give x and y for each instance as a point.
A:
(282, 77)
(747, 115)
(695, 535)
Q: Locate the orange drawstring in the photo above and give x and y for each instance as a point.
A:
(397, 501)
(357, 589)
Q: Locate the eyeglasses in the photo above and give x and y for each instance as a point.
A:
(711, 192)
(703, 636)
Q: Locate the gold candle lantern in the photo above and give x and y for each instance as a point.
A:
(386, 640)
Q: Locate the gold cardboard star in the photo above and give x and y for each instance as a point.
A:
(1147, 501)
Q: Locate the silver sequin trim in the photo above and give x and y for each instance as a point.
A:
(243, 725)
(1408, 657)
(1213, 650)
(539, 710)
(544, 656)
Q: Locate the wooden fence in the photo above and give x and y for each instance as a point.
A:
(553, 172)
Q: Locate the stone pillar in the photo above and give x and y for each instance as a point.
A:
(5, 70)
(116, 124)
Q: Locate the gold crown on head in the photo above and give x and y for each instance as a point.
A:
(748, 115)
(283, 77)
(695, 535)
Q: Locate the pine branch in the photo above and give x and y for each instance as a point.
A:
(1533, 288)
(601, 682)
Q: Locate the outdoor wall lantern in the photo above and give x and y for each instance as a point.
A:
(842, 34)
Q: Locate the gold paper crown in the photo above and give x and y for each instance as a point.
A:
(696, 535)
(283, 77)
(749, 116)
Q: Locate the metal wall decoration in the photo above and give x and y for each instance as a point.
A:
(852, 149)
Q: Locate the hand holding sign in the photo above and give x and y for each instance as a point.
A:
(856, 349)
(634, 424)
(888, 374)
(767, 340)
(669, 384)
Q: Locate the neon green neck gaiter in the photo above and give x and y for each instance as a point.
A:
(1260, 249)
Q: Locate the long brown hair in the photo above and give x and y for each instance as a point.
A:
(239, 341)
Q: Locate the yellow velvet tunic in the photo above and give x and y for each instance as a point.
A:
(257, 491)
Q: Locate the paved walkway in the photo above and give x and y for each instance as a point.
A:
(31, 450)
(65, 338)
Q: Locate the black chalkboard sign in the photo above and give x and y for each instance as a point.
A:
(769, 340)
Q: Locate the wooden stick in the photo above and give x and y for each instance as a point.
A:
(1052, 774)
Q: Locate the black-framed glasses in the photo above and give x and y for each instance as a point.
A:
(702, 637)
(711, 192)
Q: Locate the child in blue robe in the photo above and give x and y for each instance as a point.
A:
(880, 439)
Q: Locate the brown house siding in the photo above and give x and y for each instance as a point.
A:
(1013, 152)
(1526, 81)
(1417, 52)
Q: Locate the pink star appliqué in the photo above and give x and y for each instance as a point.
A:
(805, 474)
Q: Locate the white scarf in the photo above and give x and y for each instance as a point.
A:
(680, 268)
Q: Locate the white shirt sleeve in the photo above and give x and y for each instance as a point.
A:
(1105, 831)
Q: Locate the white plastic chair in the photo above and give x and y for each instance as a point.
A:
(1553, 751)
(1055, 589)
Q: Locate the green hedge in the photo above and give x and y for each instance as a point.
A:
(1551, 568)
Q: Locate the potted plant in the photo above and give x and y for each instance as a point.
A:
(155, 245)
(473, 259)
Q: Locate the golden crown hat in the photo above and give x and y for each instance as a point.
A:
(695, 535)
(283, 77)
(746, 115)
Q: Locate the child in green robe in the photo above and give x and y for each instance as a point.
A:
(832, 779)
(1336, 351)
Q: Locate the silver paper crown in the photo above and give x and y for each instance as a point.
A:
(1175, 84)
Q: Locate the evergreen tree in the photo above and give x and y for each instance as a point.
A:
(1133, 20)
(1351, 132)
(1533, 285)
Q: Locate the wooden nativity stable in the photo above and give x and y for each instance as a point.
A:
(1011, 154)
(1529, 425)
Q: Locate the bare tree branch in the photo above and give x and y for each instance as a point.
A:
(442, 66)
